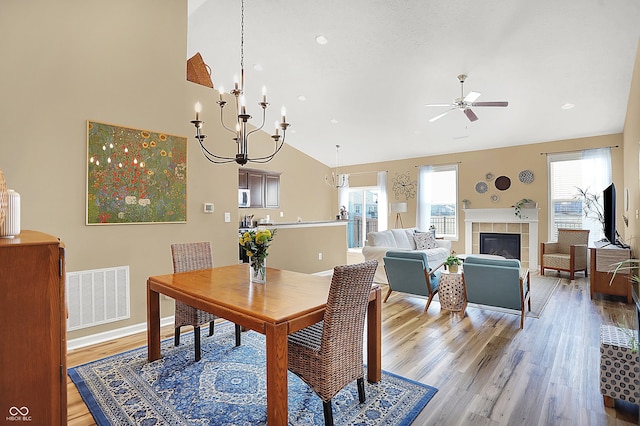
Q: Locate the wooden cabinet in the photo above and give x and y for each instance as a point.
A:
(263, 186)
(601, 275)
(33, 380)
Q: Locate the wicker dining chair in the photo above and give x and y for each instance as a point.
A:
(328, 355)
(191, 257)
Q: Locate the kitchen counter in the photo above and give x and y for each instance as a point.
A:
(303, 224)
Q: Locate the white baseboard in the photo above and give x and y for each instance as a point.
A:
(93, 339)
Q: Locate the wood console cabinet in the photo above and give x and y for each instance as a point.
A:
(601, 261)
(33, 367)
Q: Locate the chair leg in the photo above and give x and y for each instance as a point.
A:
(238, 335)
(328, 413)
(426, 308)
(176, 338)
(608, 401)
(196, 334)
(211, 328)
(361, 395)
(388, 294)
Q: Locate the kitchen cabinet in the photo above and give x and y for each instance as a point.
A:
(263, 186)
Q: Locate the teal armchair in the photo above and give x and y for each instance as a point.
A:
(409, 272)
(497, 282)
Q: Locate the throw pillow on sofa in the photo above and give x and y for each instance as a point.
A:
(425, 240)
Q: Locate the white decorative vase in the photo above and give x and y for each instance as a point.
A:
(11, 226)
(257, 272)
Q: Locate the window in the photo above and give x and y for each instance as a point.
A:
(363, 217)
(438, 199)
(587, 170)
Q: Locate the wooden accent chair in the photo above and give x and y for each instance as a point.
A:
(191, 257)
(409, 272)
(328, 355)
(568, 254)
(497, 282)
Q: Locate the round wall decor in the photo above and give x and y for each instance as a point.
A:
(526, 176)
(495, 198)
(503, 183)
(489, 176)
(481, 187)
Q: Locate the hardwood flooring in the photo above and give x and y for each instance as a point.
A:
(487, 370)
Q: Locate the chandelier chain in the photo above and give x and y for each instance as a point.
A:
(242, 37)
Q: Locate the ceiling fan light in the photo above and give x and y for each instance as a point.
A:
(567, 106)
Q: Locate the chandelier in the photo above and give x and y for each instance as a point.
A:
(239, 130)
(337, 180)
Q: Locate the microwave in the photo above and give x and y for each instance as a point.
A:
(244, 198)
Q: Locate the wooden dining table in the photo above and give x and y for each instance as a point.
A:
(288, 302)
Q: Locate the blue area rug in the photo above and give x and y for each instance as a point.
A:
(227, 387)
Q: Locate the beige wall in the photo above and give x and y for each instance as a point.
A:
(631, 166)
(119, 62)
(473, 166)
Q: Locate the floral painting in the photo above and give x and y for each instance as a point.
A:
(135, 176)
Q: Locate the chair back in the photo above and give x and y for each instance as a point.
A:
(569, 237)
(191, 256)
(344, 316)
(494, 282)
(409, 272)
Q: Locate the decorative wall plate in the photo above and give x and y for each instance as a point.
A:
(481, 187)
(495, 198)
(526, 176)
(503, 183)
(489, 176)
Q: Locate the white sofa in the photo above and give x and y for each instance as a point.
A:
(378, 243)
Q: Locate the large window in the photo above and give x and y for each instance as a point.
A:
(437, 199)
(363, 215)
(589, 170)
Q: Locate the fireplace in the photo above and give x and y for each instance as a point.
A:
(501, 244)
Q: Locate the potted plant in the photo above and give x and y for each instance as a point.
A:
(465, 203)
(525, 203)
(453, 262)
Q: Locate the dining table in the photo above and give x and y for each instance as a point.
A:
(287, 302)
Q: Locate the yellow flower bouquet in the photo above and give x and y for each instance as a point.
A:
(256, 243)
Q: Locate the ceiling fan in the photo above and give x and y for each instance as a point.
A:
(464, 103)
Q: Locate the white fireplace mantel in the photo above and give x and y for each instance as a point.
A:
(507, 215)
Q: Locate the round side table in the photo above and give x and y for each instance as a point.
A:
(451, 292)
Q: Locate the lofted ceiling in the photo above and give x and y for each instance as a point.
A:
(365, 89)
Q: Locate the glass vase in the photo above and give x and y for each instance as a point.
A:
(258, 270)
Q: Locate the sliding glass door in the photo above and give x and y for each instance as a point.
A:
(363, 215)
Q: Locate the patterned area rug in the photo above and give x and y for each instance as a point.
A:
(227, 387)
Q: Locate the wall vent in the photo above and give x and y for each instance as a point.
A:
(97, 296)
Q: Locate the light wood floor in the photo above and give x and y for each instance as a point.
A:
(487, 370)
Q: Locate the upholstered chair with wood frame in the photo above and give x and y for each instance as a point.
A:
(568, 254)
(191, 257)
(328, 355)
(409, 272)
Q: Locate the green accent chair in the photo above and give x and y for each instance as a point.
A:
(409, 272)
(497, 282)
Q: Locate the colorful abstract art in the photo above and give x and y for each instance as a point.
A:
(135, 176)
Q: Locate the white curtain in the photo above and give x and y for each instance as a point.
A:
(596, 176)
(423, 209)
(383, 213)
(343, 197)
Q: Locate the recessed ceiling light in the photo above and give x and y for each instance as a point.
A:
(257, 67)
(321, 39)
(334, 121)
(302, 98)
(567, 106)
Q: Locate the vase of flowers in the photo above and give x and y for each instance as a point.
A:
(256, 243)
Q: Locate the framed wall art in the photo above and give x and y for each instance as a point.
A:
(135, 176)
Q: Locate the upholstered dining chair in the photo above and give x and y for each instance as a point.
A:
(568, 254)
(191, 257)
(409, 272)
(328, 355)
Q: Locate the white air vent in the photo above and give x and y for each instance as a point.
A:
(97, 296)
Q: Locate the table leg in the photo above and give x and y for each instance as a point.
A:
(374, 338)
(153, 324)
(277, 367)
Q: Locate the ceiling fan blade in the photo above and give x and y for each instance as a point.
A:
(439, 105)
(470, 115)
(471, 97)
(490, 104)
(437, 117)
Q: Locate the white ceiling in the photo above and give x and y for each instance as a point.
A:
(385, 59)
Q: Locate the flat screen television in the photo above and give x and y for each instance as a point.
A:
(609, 213)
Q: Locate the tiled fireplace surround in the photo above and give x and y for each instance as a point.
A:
(504, 221)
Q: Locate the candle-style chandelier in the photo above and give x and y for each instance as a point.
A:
(240, 132)
(337, 180)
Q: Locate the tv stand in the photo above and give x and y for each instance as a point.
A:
(602, 279)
